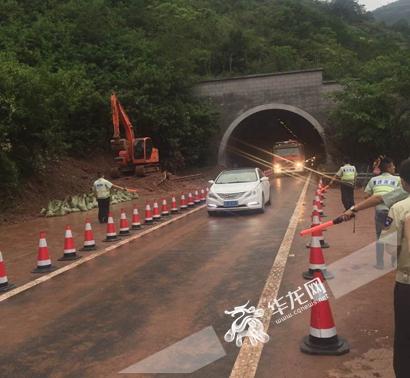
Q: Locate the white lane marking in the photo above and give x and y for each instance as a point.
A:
(248, 358)
(92, 256)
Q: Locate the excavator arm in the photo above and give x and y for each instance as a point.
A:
(120, 117)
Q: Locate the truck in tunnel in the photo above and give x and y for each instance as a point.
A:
(288, 156)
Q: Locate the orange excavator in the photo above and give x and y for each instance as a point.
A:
(132, 155)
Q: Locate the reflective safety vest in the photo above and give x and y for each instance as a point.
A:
(383, 184)
(347, 173)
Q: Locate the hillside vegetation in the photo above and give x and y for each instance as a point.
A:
(60, 61)
(393, 13)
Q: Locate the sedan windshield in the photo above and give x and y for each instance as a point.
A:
(234, 177)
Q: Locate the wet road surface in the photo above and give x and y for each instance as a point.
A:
(111, 312)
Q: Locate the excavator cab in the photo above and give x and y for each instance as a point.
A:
(143, 149)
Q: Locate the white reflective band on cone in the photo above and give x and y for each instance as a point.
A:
(68, 234)
(44, 262)
(88, 227)
(3, 280)
(89, 243)
(317, 266)
(69, 250)
(323, 333)
(111, 234)
(315, 242)
(42, 243)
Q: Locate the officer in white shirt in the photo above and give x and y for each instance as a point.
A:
(380, 185)
(102, 190)
(347, 175)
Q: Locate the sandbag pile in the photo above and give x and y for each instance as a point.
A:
(82, 202)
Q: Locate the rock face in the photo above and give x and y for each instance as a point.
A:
(393, 12)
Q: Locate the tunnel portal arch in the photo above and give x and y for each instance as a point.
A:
(222, 151)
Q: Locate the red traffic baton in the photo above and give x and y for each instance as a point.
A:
(324, 189)
(322, 226)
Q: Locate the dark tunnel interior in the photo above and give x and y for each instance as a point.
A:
(267, 127)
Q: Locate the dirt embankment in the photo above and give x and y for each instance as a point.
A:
(71, 176)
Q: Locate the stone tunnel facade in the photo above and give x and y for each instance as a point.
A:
(301, 92)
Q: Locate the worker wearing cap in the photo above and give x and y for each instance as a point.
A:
(396, 235)
(102, 190)
(385, 183)
(347, 176)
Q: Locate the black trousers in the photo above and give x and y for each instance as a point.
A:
(401, 358)
(347, 192)
(103, 209)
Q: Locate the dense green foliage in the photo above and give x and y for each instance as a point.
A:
(374, 109)
(60, 60)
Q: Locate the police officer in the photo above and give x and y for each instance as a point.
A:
(347, 175)
(102, 190)
(380, 185)
(397, 233)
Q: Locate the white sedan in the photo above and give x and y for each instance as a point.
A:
(239, 189)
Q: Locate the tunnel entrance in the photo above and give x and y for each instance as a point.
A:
(249, 139)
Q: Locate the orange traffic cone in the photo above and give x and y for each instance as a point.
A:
(124, 226)
(111, 232)
(319, 205)
(183, 205)
(136, 221)
(316, 259)
(322, 339)
(174, 207)
(43, 257)
(89, 242)
(316, 222)
(155, 212)
(164, 208)
(197, 199)
(70, 252)
(203, 197)
(148, 214)
(5, 285)
(190, 200)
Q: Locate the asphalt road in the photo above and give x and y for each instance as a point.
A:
(111, 312)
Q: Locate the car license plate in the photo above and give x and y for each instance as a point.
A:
(230, 203)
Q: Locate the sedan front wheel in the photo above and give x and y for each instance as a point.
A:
(262, 209)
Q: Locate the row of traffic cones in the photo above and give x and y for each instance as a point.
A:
(322, 338)
(44, 264)
(156, 213)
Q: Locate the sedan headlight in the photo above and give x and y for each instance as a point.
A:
(212, 195)
(250, 193)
